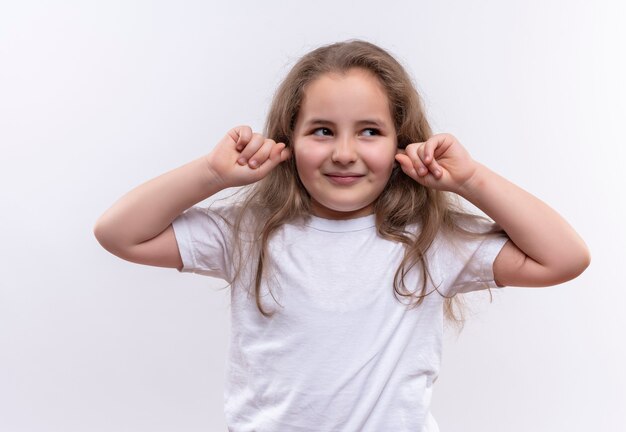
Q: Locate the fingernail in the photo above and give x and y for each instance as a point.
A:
(241, 161)
(437, 173)
(253, 163)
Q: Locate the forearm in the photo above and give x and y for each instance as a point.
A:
(535, 228)
(150, 208)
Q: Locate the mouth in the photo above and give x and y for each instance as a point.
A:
(344, 178)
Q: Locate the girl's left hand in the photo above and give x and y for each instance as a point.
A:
(440, 162)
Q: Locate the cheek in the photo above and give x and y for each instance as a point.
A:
(382, 164)
(308, 158)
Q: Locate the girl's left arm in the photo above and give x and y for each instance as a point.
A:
(543, 249)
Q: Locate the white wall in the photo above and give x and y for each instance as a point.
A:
(97, 97)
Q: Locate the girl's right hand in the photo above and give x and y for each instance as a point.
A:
(243, 157)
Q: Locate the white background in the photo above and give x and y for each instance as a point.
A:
(98, 97)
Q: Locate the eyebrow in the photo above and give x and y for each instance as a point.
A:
(321, 121)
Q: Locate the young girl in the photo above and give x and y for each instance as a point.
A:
(348, 248)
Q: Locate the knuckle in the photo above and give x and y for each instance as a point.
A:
(243, 131)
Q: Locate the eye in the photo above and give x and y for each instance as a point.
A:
(321, 131)
(371, 132)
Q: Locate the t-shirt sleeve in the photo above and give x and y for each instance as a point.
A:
(477, 272)
(204, 242)
(466, 264)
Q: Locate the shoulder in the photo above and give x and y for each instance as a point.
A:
(219, 221)
(468, 232)
(463, 253)
(225, 213)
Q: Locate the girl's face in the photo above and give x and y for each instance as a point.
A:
(344, 143)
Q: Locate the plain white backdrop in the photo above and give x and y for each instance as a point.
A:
(97, 97)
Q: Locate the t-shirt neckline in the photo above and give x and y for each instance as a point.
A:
(341, 225)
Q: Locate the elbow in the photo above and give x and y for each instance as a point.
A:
(584, 261)
(113, 239)
(566, 267)
(106, 237)
(576, 264)
(101, 234)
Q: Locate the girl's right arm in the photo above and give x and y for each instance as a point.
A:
(138, 227)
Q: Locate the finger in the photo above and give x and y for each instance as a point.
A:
(416, 154)
(241, 135)
(262, 154)
(254, 144)
(407, 165)
(435, 168)
(285, 153)
(278, 154)
(429, 156)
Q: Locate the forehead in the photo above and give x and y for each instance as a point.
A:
(352, 95)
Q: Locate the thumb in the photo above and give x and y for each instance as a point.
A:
(241, 135)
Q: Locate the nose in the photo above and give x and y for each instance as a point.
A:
(344, 151)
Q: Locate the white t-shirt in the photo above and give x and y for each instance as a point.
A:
(342, 353)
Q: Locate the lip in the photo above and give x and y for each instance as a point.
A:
(344, 178)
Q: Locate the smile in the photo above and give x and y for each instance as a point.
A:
(344, 178)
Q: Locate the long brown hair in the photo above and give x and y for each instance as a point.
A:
(280, 197)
